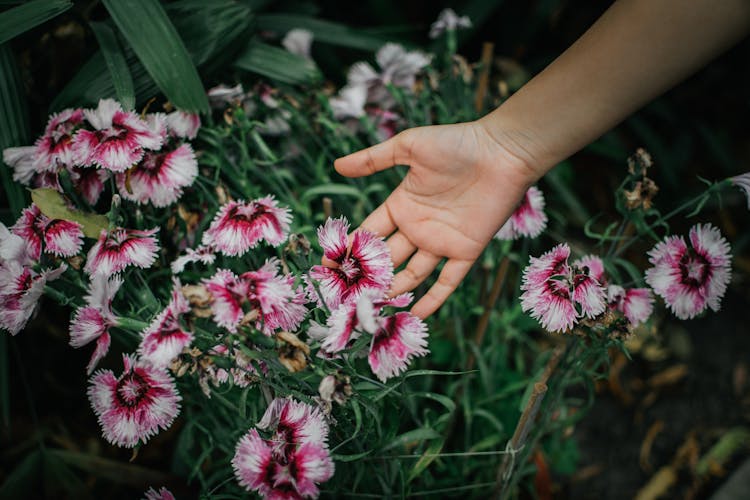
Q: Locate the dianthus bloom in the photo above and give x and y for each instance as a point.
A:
(396, 339)
(743, 182)
(528, 219)
(59, 237)
(240, 226)
(92, 322)
(20, 290)
(134, 406)
(55, 148)
(263, 297)
(366, 265)
(448, 20)
(293, 460)
(558, 294)
(165, 337)
(160, 177)
(119, 248)
(691, 277)
(162, 494)
(118, 138)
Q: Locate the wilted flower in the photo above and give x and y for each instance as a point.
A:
(366, 265)
(293, 461)
(691, 278)
(162, 494)
(293, 352)
(92, 322)
(117, 140)
(199, 299)
(336, 388)
(165, 337)
(240, 226)
(160, 177)
(134, 406)
(119, 248)
(270, 299)
(528, 219)
(557, 294)
(448, 20)
(743, 182)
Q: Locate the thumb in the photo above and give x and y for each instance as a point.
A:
(394, 151)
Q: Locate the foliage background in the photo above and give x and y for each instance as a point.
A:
(699, 128)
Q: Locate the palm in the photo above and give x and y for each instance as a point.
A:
(460, 188)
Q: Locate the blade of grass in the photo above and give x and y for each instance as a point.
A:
(116, 64)
(14, 125)
(19, 19)
(155, 41)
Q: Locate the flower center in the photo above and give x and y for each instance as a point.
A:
(350, 270)
(694, 269)
(131, 390)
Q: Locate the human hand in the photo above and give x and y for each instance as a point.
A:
(462, 185)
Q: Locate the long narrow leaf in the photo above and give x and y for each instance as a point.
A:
(155, 41)
(277, 64)
(116, 64)
(19, 19)
(14, 125)
(323, 31)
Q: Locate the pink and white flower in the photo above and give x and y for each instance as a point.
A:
(293, 461)
(741, 181)
(240, 226)
(183, 124)
(162, 494)
(558, 294)
(298, 41)
(160, 177)
(263, 297)
(20, 290)
(60, 237)
(366, 265)
(528, 219)
(165, 337)
(134, 406)
(117, 140)
(399, 338)
(117, 249)
(636, 304)
(93, 322)
(55, 148)
(691, 277)
(89, 182)
(593, 266)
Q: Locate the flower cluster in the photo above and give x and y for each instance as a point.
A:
(149, 158)
(354, 287)
(367, 90)
(292, 460)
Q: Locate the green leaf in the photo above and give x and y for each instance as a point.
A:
(116, 64)
(424, 434)
(322, 30)
(440, 398)
(155, 41)
(350, 458)
(52, 204)
(14, 125)
(332, 189)
(19, 19)
(277, 63)
(431, 453)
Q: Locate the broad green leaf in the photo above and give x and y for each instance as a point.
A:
(155, 41)
(52, 204)
(24, 17)
(116, 64)
(14, 125)
(322, 30)
(277, 63)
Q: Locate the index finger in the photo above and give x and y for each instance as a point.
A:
(450, 277)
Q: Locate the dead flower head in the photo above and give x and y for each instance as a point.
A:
(199, 298)
(293, 352)
(336, 388)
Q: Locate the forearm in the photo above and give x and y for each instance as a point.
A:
(634, 52)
